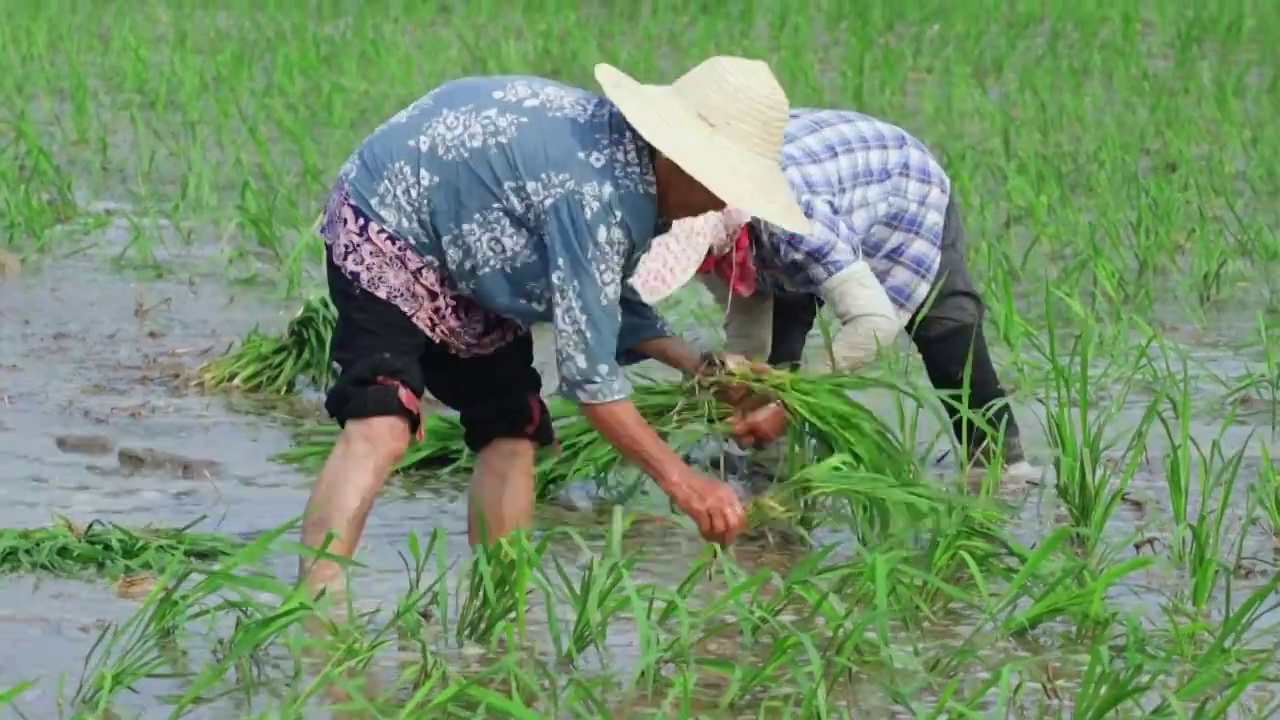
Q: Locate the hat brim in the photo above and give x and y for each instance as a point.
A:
(741, 179)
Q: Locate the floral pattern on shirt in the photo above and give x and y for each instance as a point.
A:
(556, 100)
(383, 264)
(455, 133)
(400, 194)
(520, 200)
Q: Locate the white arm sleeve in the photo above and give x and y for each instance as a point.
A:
(868, 318)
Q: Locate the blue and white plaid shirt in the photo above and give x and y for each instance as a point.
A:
(873, 192)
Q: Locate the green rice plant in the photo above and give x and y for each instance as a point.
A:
(1050, 585)
(127, 653)
(1076, 136)
(273, 364)
(966, 554)
(498, 588)
(108, 549)
(1110, 682)
(813, 629)
(1236, 655)
(820, 407)
(1265, 491)
(598, 597)
(839, 492)
(823, 411)
(1258, 387)
(1199, 540)
(9, 695)
(1086, 482)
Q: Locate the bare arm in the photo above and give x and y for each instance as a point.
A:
(622, 425)
(672, 352)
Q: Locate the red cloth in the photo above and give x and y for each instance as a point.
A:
(735, 267)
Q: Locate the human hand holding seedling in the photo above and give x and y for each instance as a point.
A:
(716, 365)
(713, 505)
(757, 419)
(756, 428)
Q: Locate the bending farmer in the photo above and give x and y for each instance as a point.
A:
(885, 252)
(494, 203)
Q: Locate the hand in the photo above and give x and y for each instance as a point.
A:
(714, 363)
(733, 362)
(759, 427)
(713, 505)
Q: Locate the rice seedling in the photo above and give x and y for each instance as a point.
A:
(274, 364)
(1118, 167)
(1266, 493)
(1090, 485)
(823, 416)
(107, 549)
(820, 626)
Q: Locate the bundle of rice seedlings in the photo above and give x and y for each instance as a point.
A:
(67, 548)
(825, 422)
(837, 489)
(275, 363)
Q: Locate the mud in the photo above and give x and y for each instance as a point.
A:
(85, 444)
(93, 362)
(10, 266)
(143, 460)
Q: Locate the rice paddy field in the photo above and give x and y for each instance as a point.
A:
(1118, 165)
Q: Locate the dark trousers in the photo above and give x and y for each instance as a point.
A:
(947, 332)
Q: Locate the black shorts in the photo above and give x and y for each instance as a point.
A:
(385, 362)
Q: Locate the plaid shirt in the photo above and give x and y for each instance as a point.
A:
(872, 192)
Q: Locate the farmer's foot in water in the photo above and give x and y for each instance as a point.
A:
(1014, 462)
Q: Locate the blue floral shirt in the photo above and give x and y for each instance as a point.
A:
(536, 200)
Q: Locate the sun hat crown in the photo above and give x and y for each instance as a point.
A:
(740, 98)
(722, 122)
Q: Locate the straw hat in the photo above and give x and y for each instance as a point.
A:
(722, 123)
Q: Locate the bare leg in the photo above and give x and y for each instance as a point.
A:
(501, 490)
(343, 495)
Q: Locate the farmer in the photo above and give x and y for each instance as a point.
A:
(494, 203)
(886, 252)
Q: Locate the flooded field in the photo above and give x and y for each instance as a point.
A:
(101, 422)
(1118, 170)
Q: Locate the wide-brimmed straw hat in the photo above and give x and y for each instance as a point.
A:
(722, 123)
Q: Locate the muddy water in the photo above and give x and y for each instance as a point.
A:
(96, 423)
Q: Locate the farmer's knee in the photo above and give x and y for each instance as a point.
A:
(383, 439)
(382, 386)
(963, 311)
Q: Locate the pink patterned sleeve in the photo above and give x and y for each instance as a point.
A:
(715, 230)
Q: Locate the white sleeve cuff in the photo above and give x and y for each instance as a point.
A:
(868, 318)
